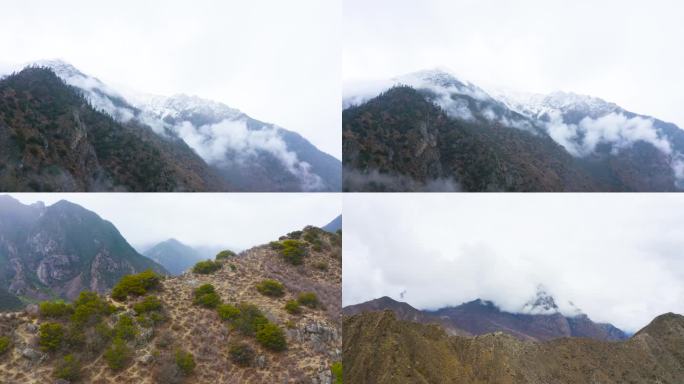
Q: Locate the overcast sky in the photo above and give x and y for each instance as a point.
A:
(278, 61)
(618, 257)
(624, 51)
(235, 220)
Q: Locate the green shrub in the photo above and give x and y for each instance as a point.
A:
(276, 245)
(336, 370)
(308, 299)
(241, 354)
(100, 337)
(204, 289)
(270, 287)
(185, 362)
(206, 296)
(292, 307)
(233, 267)
(311, 235)
(295, 234)
(118, 355)
(228, 312)
(69, 369)
(148, 304)
(293, 251)
(206, 267)
(4, 344)
(125, 329)
(74, 337)
(250, 320)
(50, 336)
(227, 254)
(271, 337)
(55, 309)
(89, 308)
(135, 285)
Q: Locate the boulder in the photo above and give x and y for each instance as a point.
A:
(31, 354)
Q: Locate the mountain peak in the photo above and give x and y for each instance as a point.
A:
(66, 71)
(542, 304)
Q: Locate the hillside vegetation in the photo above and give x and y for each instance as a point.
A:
(231, 324)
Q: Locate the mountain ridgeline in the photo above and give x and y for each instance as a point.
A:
(479, 317)
(62, 130)
(59, 251)
(269, 314)
(333, 226)
(431, 132)
(380, 348)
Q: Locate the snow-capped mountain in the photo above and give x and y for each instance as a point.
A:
(541, 106)
(459, 99)
(544, 303)
(251, 155)
(588, 128)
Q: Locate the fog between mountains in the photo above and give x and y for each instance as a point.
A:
(616, 257)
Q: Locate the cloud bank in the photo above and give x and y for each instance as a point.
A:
(614, 128)
(616, 257)
(231, 141)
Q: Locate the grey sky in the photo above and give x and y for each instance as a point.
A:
(278, 61)
(618, 257)
(628, 52)
(234, 220)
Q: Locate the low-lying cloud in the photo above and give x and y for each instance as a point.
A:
(214, 142)
(614, 128)
(616, 257)
(374, 180)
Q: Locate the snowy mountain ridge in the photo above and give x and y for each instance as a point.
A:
(253, 155)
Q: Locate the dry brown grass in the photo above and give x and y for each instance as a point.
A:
(200, 331)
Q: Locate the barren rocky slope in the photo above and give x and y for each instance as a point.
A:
(312, 336)
(378, 348)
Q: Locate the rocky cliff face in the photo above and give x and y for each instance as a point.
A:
(379, 348)
(60, 250)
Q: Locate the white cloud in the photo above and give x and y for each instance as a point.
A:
(213, 141)
(616, 257)
(621, 50)
(276, 61)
